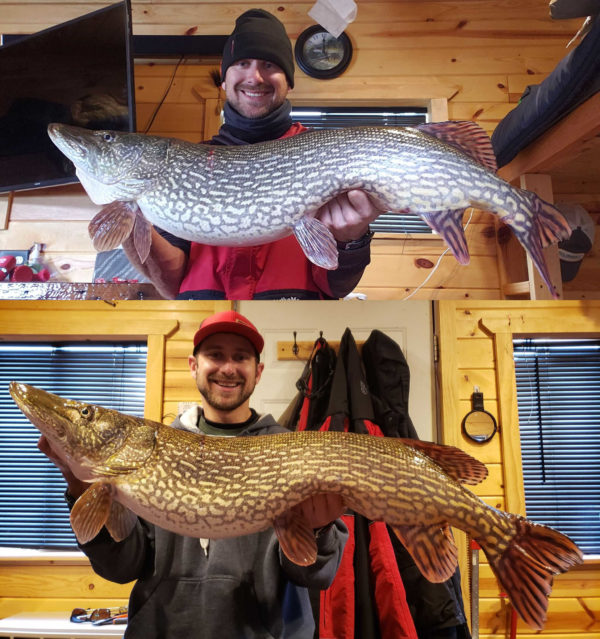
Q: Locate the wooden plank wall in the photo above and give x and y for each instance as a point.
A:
(475, 349)
(61, 583)
(474, 57)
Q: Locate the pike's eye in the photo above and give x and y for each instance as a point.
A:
(107, 136)
(86, 411)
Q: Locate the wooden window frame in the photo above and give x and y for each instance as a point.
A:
(92, 321)
(503, 331)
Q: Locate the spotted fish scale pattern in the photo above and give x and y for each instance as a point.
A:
(212, 487)
(383, 479)
(257, 193)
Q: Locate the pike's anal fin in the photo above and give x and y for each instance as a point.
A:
(121, 521)
(91, 511)
(296, 538)
(317, 242)
(449, 225)
(433, 550)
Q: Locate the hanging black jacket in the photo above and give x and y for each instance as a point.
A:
(437, 609)
(367, 598)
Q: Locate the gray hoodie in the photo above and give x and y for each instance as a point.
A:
(238, 588)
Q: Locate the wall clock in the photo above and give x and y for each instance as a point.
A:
(321, 55)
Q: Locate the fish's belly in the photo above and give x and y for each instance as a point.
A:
(236, 227)
(184, 517)
(196, 510)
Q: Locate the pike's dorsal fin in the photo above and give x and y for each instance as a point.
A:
(454, 461)
(112, 225)
(432, 549)
(317, 242)
(91, 511)
(467, 137)
(121, 521)
(449, 225)
(296, 538)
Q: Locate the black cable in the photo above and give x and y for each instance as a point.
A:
(156, 110)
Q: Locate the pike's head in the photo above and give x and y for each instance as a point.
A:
(92, 441)
(111, 165)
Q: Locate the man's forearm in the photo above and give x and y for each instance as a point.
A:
(164, 266)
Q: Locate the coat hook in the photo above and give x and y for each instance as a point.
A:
(295, 348)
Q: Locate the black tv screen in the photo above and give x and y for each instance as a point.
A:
(79, 72)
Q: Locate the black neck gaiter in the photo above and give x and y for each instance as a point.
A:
(239, 130)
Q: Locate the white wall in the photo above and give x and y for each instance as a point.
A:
(408, 323)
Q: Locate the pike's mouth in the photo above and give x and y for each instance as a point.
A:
(40, 414)
(67, 143)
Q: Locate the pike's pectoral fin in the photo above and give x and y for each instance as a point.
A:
(113, 224)
(454, 461)
(296, 538)
(449, 225)
(121, 521)
(317, 242)
(432, 548)
(91, 511)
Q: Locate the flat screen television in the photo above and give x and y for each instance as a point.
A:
(79, 72)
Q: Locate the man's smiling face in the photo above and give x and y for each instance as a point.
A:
(226, 371)
(255, 88)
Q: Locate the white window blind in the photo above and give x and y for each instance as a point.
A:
(558, 391)
(33, 513)
(338, 117)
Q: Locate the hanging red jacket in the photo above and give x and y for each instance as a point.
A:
(367, 598)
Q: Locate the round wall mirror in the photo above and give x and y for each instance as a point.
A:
(479, 425)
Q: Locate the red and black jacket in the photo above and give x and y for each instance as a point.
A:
(367, 597)
(378, 592)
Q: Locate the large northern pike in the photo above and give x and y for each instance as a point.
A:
(253, 194)
(215, 487)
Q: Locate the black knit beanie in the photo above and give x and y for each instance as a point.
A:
(259, 35)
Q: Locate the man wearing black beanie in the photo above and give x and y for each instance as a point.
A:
(257, 72)
(260, 35)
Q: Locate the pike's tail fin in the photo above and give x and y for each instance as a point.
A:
(526, 566)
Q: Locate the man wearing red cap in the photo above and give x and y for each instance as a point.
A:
(237, 588)
(257, 71)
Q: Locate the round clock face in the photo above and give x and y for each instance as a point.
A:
(321, 55)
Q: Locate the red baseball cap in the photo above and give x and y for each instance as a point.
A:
(229, 322)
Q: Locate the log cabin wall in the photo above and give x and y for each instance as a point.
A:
(475, 349)
(465, 60)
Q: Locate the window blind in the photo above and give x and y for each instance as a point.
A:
(33, 513)
(337, 117)
(558, 393)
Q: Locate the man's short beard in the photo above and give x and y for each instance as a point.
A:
(212, 399)
(224, 405)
